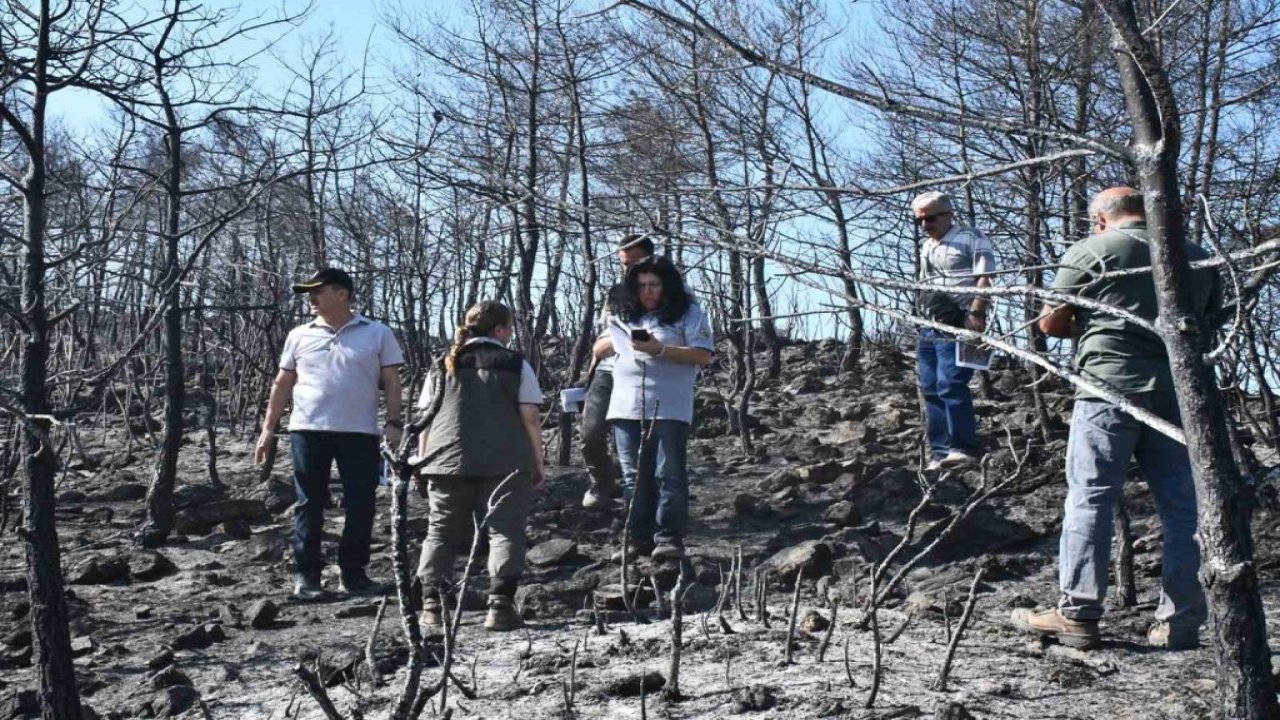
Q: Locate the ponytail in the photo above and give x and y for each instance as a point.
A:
(481, 320)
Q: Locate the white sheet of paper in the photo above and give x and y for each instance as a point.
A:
(621, 340)
(969, 355)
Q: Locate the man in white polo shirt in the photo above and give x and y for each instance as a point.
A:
(332, 369)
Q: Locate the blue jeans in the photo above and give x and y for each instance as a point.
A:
(1103, 440)
(657, 476)
(948, 406)
(314, 453)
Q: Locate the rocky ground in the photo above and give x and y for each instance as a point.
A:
(205, 626)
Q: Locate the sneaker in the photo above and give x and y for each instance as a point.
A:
(668, 551)
(307, 588)
(1078, 634)
(1173, 637)
(957, 459)
(502, 615)
(361, 584)
(934, 465)
(600, 492)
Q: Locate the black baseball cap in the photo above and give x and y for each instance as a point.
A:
(327, 276)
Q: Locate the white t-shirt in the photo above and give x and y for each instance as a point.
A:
(530, 390)
(338, 374)
(646, 387)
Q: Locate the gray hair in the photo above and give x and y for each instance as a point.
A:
(1116, 203)
(932, 199)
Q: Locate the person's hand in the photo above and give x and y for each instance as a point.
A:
(392, 435)
(977, 322)
(539, 478)
(652, 346)
(263, 446)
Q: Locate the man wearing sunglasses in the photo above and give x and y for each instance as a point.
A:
(953, 258)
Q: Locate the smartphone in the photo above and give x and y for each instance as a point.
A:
(640, 335)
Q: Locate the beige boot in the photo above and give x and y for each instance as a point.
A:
(435, 614)
(502, 615)
(1079, 634)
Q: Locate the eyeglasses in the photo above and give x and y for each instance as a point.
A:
(922, 219)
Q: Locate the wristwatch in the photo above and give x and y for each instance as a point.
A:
(397, 424)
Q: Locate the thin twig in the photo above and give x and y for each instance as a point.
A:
(791, 623)
(831, 629)
(941, 683)
(311, 680)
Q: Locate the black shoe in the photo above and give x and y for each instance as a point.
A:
(634, 550)
(361, 585)
(307, 588)
(670, 550)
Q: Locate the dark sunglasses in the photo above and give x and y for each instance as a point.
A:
(922, 219)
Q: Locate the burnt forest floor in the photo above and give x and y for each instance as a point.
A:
(184, 631)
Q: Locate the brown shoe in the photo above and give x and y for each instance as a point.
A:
(435, 614)
(502, 615)
(1078, 634)
(1173, 637)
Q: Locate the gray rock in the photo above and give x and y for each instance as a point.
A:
(842, 514)
(755, 698)
(200, 518)
(338, 663)
(262, 614)
(555, 551)
(812, 558)
(148, 565)
(951, 710)
(82, 645)
(173, 701)
(197, 638)
(121, 492)
(168, 677)
(700, 598)
(98, 570)
(161, 659)
(239, 528)
(629, 686)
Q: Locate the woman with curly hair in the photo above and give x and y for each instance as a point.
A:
(651, 407)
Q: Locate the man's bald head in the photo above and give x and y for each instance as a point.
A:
(1116, 205)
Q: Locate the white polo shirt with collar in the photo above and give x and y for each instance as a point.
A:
(338, 374)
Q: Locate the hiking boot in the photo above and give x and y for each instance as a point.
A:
(1078, 634)
(1173, 637)
(957, 459)
(360, 584)
(435, 614)
(502, 615)
(634, 550)
(307, 587)
(668, 551)
(600, 492)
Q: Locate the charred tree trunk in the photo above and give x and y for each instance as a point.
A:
(1245, 685)
(59, 698)
(160, 512)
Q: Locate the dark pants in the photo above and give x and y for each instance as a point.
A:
(656, 471)
(458, 504)
(948, 406)
(594, 432)
(314, 453)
